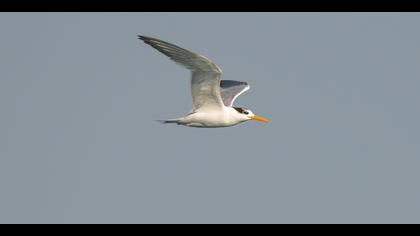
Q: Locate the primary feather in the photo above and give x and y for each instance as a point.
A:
(231, 89)
(205, 78)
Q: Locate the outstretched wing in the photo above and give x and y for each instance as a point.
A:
(231, 89)
(205, 79)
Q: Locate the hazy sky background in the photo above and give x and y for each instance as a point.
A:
(79, 96)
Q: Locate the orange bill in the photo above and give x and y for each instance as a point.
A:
(255, 117)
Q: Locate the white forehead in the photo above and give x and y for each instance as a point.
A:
(249, 112)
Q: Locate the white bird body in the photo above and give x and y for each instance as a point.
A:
(212, 98)
(225, 117)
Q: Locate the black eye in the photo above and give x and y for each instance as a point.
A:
(245, 112)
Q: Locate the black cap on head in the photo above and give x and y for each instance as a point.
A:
(241, 110)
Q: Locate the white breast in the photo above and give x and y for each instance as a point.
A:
(213, 118)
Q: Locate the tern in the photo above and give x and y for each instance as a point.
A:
(212, 98)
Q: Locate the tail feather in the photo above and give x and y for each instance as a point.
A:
(169, 121)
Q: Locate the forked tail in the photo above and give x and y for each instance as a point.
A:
(169, 121)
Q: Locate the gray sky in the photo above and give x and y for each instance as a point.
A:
(79, 96)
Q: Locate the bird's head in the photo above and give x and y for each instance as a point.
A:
(247, 114)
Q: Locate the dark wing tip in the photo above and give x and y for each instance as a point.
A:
(144, 38)
(231, 83)
(151, 41)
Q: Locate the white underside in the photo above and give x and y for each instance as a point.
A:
(227, 116)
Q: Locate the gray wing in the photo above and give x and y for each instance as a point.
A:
(205, 79)
(231, 89)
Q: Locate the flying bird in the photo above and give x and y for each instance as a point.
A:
(212, 98)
